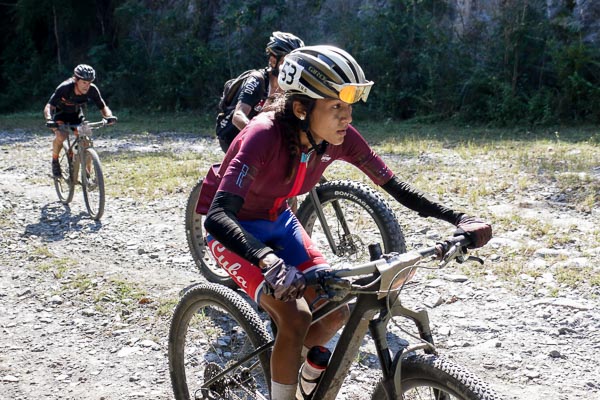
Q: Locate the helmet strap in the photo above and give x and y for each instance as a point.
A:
(319, 148)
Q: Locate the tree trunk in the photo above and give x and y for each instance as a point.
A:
(56, 36)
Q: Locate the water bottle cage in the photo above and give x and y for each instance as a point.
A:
(308, 396)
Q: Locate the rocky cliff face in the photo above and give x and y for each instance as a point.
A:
(580, 13)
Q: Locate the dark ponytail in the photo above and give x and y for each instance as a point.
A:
(283, 105)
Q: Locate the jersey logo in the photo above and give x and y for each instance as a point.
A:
(325, 158)
(242, 175)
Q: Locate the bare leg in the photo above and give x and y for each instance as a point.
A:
(321, 332)
(293, 322)
(59, 138)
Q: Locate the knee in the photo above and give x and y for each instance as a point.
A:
(294, 323)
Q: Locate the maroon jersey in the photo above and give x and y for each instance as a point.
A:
(257, 162)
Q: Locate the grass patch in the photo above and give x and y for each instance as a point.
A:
(131, 122)
(575, 277)
(153, 175)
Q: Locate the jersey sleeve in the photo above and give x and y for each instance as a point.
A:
(248, 156)
(242, 163)
(59, 92)
(357, 152)
(94, 95)
(253, 89)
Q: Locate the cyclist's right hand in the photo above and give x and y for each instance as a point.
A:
(51, 124)
(285, 282)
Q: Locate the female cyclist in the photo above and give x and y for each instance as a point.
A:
(281, 153)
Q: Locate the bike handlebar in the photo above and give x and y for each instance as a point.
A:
(389, 267)
(91, 125)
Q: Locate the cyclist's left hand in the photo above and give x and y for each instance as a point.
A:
(285, 281)
(478, 231)
(111, 120)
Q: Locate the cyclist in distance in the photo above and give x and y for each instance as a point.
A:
(256, 88)
(66, 107)
(281, 153)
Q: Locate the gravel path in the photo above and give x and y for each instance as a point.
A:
(85, 305)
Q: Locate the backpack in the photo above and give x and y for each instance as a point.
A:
(224, 128)
(231, 90)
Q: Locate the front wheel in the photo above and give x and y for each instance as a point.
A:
(356, 216)
(213, 342)
(427, 376)
(65, 184)
(92, 181)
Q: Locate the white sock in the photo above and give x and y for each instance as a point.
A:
(280, 391)
(304, 352)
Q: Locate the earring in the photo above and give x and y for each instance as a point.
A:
(302, 117)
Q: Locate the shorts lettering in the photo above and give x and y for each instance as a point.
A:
(217, 250)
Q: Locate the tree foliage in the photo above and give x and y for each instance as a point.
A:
(511, 64)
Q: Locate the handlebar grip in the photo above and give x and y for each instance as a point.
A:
(313, 278)
(461, 240)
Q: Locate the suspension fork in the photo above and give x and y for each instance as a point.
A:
(314, 197)
(378, 330)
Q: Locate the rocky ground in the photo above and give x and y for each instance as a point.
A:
(85, 305)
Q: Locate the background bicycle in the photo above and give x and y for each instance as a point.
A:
(219, 347)
(80, 164)
(341, 216)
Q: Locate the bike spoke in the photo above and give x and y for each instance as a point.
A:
(214, 343)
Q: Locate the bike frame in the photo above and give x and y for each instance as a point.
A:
(362, 319)
(81, 137)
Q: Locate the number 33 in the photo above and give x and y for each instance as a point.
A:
(288, 71)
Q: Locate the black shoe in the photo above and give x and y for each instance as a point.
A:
(56, 172)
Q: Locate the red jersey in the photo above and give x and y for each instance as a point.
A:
(257, 162)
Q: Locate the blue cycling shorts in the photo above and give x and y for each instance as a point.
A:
(285, 236)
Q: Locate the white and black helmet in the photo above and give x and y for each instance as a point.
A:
(85, 72)
(324, 72)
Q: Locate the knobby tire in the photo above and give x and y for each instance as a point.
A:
(427, 376)
(93, 187)
(369, 217)
(65, 185)
(194, 233)
(212, 327)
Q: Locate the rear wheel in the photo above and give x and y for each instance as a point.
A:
(194, 233)
(92, 181)
(356, 216)
(65, 185)
(215, 329)
(430, 377)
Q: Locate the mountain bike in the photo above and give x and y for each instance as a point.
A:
(75, 154)
(341, 217)
(219, 347)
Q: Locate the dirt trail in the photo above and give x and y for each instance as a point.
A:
(83, 313)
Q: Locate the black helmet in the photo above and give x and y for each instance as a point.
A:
(85, 72)
(281, 43)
